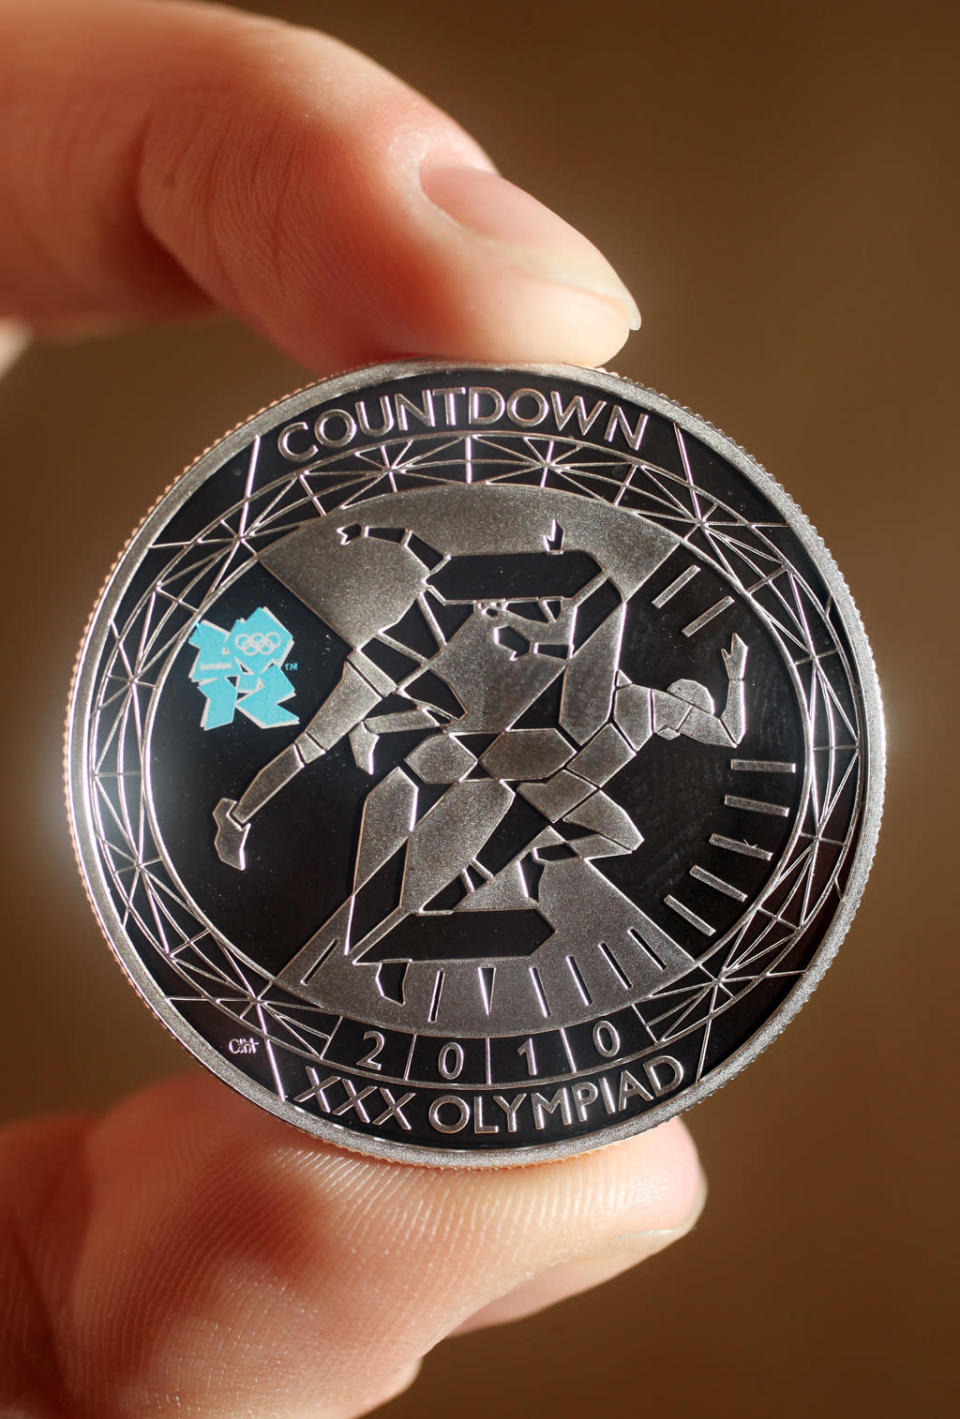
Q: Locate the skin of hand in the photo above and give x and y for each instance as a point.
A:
(186, 1253)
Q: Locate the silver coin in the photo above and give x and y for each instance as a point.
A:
(474, 765)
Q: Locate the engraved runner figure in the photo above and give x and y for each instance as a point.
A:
(470, 645)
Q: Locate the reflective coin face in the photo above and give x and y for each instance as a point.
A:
(474, 765)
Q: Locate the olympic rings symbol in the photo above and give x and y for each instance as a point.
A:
(258, 643)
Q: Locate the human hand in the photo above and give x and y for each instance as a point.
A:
(186, 1253)
(735, 659)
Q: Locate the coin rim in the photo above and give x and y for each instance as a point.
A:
(78, 787)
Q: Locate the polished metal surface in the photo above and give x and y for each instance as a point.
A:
(474, 764)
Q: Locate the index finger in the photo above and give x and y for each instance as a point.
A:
(208, 157)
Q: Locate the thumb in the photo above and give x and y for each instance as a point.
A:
(188, 1254)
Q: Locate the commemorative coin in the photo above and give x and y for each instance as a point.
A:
(473, 765)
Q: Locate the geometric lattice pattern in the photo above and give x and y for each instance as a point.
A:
(180, 578)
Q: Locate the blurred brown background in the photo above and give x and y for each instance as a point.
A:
(777, 183)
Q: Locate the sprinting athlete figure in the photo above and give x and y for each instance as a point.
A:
(480, 640)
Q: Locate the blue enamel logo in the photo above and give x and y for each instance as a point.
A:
(241, 671)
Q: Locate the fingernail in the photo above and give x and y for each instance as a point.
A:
(568, 1278)
(391, 1388)
(649, 1236)
(580, 1272)
(525, 231)
(14, 339)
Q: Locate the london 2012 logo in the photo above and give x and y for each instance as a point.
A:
(241, 671)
